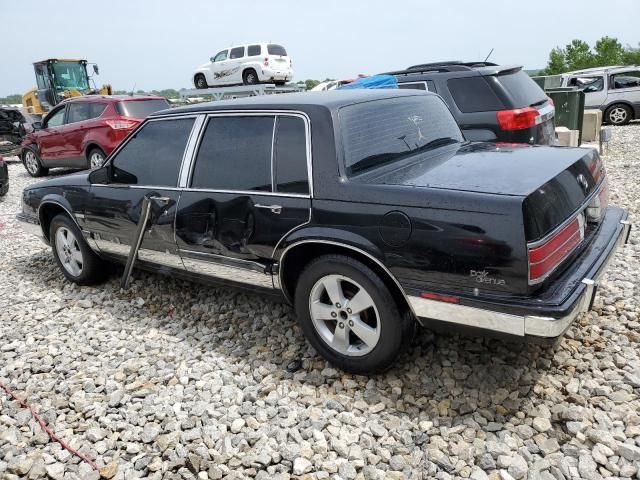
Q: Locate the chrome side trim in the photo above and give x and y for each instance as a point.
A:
(350, 247)
(227, 272)
(244, 192)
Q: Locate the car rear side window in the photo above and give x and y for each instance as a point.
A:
(290, 156)
(625, 80)
(521, 88)
(473, 94)
(381, 132)
(237, 52)
(421, 85)
(235, 154)
(96, 109)
(276, 49)
(253, 50)
(154, 154)
(79, 112)
(140, 108)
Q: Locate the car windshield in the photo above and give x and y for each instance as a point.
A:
(140, 108)
(276, 49)
(385, 131)
(70, 76)
(522, 89)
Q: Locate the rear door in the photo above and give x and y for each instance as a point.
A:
(248, 186)
(74, 131)
(235, 63)
(625, 87)
(51, 143)
(148, 164)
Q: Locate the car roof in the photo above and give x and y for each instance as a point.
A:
(112, 98)
(611, 69)
(332, 100)
(455, 68)
(249, 43)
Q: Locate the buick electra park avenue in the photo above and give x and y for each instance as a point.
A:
(365, 209)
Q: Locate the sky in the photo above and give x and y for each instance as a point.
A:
(156, 44)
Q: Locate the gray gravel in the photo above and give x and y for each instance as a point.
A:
(178, 381)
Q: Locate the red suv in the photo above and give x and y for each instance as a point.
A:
(82, 131)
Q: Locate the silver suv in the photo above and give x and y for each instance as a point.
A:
(614, 90)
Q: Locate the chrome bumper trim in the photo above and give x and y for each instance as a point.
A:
(519, 325)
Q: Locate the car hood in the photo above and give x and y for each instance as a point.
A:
(71, 180)
(502, 169)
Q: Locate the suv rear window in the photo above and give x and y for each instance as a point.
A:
(474, 94)
(385, 131)
(522, 89)
(276, 49)
(140, 108)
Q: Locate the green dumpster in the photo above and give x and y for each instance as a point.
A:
(569, 104)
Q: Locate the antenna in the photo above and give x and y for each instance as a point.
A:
(488, 55)
(133, 90)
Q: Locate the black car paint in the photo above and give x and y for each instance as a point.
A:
(452, 229)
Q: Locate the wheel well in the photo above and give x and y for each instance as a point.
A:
(90, 147)
(296, 259)
(46, 213)
(247, 69)
(199, 74)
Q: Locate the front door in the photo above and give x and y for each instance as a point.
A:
(51, 143)
(219, 69)
(147, 165)
(247, 188)
(594, 88)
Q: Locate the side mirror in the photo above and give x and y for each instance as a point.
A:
(212, 59)
(37, 125)
(99, 176)
(96, 70)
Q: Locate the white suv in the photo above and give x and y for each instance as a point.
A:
(246, 65)
(614, 90)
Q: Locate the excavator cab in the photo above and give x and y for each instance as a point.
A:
(57, 80)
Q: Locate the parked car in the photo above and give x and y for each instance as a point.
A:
(614, 90)
(246, 65)
(14, 125)
(489, 102)
(366, 209)
(4, 177)
(82, 131)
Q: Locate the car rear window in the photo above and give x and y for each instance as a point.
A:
(276, 49)
(384, 131)
(474, 94)
(140, 108)
(522, 89)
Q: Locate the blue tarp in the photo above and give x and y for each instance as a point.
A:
(375, 81)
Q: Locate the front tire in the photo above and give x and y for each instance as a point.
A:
(200, 81)
(32, 163)
(250, 77)
(95, 158)
(74, 257)
(349, 316)
(618, 114)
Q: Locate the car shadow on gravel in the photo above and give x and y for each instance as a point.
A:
(440, 374)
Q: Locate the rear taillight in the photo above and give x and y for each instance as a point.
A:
(599, 203)
(518, 118)
(121, 124)
(547, 254)
(266, 61)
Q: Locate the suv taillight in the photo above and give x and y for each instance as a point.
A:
(547, 254)
(266, 61)
(121, 124)
(518, 118)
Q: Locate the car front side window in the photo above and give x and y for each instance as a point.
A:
(221, 56)
(152, 157)
(56, 119)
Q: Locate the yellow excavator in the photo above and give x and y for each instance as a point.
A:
(58, 79)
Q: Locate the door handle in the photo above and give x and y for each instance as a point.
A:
(274, 208)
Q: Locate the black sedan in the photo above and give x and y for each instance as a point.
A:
(365, 209)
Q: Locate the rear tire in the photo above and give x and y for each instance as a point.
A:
(349, 315)
(618, 114)
(96, 158)
(200, 81)
(32, 163)
(74, 257)
(250, 77)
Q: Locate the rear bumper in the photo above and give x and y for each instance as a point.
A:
(539, 317)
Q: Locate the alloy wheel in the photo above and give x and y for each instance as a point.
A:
(68, 250)
(344, 315)
(96, 159)
(31, 162)
(618, 115)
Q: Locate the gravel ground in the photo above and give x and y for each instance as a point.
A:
(176, 380)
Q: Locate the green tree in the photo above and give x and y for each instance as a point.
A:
(578, 55)
(631, 55)
(309, 84)
(557, 62)
(11, 99)
(608, 51)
